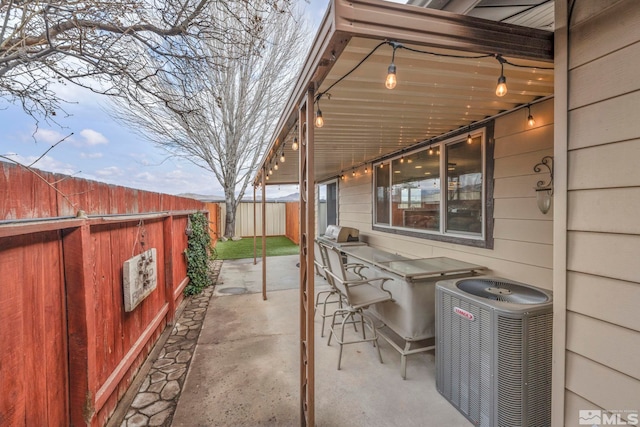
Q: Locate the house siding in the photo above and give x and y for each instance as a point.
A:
(523, 236)
(602, 354)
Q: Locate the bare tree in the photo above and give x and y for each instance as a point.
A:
(220, 118)
(94, 43)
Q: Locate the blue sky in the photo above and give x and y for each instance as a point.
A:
(104, 150)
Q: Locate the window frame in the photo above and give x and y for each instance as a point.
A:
(485, 239)
(327, 182)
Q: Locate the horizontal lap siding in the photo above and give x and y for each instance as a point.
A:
(603, 282)
(522, 234)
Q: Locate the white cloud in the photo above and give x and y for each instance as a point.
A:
(110, 171)
(48, 136)
(91, 155)
(47, 163)
(93, 137)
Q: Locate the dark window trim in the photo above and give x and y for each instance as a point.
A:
(487, 242)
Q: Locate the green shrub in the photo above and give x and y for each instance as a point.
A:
(197, 253)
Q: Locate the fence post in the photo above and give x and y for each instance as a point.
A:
(83, 379)
(169, 283)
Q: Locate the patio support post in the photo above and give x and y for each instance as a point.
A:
(307, 227)
(255, 230)
(264, 235)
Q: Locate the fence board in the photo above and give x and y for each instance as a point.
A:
(73, 371)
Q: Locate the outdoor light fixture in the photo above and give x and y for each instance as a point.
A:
(353, 173)
(366, 170)
(430, 151)
(501, 89)
(276, 166)
(469, 138)
(402, 159)
(270, 171)
(381, 165)
(530, 121)
(544, 191)
(282, 159)
(391, 81)
(294, 145)
(319, 120)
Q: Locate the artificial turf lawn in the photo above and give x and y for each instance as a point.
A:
(276, 246)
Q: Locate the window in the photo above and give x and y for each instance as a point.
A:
(438, 191)
(327, 205)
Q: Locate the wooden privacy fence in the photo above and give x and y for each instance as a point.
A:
(69, 350)
(282, 219)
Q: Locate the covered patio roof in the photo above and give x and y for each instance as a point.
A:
(437, 92)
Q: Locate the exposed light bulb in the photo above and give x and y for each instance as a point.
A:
(381, 165)
(276, 166)
(353, 173)
(430, 151)
(501, 89)
(270, 171)
(267, 177)
(402, 159)
(294, 145)
(319, 119)
(531, 121)
(391, 81)
(469, 139)
(282, 159)
(366, 170)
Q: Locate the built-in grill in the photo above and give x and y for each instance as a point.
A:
(336, 235)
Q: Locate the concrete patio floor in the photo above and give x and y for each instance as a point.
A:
(245, 369)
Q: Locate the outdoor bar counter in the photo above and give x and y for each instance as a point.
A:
(411, 314)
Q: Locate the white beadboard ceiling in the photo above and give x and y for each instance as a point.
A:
(434, 96)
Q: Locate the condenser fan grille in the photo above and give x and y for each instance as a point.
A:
(502, 291)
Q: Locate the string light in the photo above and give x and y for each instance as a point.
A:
(530, 121)
(319, 120)
(430, 151)
(294, 145)
(353, 173)
(270, 171)
(469, 138)
(381, 165)
(501, 89)
(402, 159)
(276, 166)
(391, 81)
(282, 159)
(366, 170)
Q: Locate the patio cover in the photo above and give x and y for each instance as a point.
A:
(435, 95)
(365, 122)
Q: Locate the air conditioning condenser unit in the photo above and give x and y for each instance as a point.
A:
(493, 350)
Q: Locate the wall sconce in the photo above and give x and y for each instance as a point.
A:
(544, 191)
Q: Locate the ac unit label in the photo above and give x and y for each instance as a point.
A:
(464, 313)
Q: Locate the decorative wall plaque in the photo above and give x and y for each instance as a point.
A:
(139, 278)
